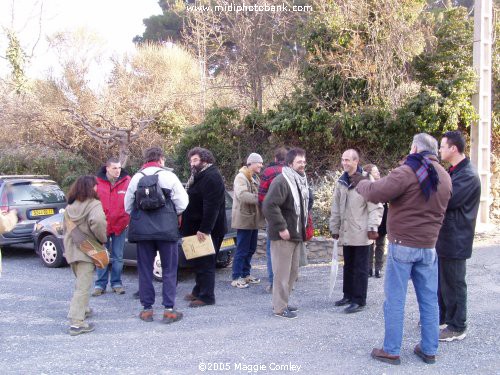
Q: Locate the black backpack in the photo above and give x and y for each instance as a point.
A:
(149, 195)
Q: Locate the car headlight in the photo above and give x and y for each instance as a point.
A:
(38, 227)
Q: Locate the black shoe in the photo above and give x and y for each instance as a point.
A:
(342, 302)
(286, 314)
(378, 274)
(353, 308)
(136, 295)
(370, 272)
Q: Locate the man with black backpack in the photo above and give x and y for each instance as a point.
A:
(155, 200)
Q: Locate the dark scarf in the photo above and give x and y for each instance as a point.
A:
(196, 173)
(346, 180)
(425, 172)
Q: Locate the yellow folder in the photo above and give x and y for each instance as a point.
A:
(193, 248)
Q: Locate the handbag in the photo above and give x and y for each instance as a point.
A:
(309, 227)
(94, 249)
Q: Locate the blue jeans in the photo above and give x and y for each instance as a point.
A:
(421, 265)
(115, 245)
(246, 244)
(269, 261)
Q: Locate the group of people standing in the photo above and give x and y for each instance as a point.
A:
(427, 213)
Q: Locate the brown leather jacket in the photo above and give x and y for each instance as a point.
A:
(412, 221)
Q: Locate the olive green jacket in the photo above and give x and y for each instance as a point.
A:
(90, 219)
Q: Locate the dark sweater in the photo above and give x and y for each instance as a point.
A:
(206, 211)
(457, 233)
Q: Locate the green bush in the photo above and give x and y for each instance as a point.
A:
(62, 166)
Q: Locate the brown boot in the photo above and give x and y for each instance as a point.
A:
(146, 315)
(171, 315)
(382, 356)
(189, 297)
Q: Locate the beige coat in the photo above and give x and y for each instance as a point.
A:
(7, 221)
(90, 218)
(246, 213)
(352, 217)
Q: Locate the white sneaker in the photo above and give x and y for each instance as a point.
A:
(252, 279)
(239, 283)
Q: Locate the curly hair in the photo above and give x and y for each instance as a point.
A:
(205, 155)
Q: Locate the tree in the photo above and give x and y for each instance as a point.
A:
(358, 52)
(148, 97)
(247, 47)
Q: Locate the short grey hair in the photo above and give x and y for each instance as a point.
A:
(425, 142)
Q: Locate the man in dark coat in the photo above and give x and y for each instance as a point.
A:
(205, 215)
(454, 244)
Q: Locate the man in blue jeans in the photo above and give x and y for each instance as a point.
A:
(418, 193)
(247, 219)
(112, 184)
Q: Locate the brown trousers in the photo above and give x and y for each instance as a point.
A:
(285, 257)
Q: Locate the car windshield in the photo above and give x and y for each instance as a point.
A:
(40, 192)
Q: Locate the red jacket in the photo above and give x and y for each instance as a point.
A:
(112, 198)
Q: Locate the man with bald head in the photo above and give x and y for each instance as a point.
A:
(354, 222)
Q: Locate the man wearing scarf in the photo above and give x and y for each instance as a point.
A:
(418, 193)
(154, 231)
(285, 208)
(205, 215)
(354, 222)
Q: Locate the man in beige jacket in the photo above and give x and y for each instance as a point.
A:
(354, 222)
(246, 219)
(8, 221)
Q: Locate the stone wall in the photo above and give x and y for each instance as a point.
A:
(319, 249)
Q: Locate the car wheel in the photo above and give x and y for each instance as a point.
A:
(224, 259)
(51, 252)
(157, 271)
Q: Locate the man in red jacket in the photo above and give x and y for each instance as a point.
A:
(112, 184)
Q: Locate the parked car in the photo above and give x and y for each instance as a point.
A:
(35, 198)
(48, 238)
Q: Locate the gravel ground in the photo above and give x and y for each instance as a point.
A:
(239, 335)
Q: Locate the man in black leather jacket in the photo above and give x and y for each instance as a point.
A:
(454, 244)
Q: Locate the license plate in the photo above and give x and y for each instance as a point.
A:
(227, 242)
(45, 212)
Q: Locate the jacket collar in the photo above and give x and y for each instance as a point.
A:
(101, 173)
(345, 180)
(464, 163)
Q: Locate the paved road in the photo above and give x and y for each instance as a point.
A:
(239, 335)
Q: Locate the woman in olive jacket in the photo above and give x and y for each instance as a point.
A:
(85, 211)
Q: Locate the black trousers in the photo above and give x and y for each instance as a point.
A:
(356, 273)
(204, 268)
(378, 247)
(452, 294)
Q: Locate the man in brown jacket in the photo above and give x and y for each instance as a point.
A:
(285, 207)
(418, 192)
